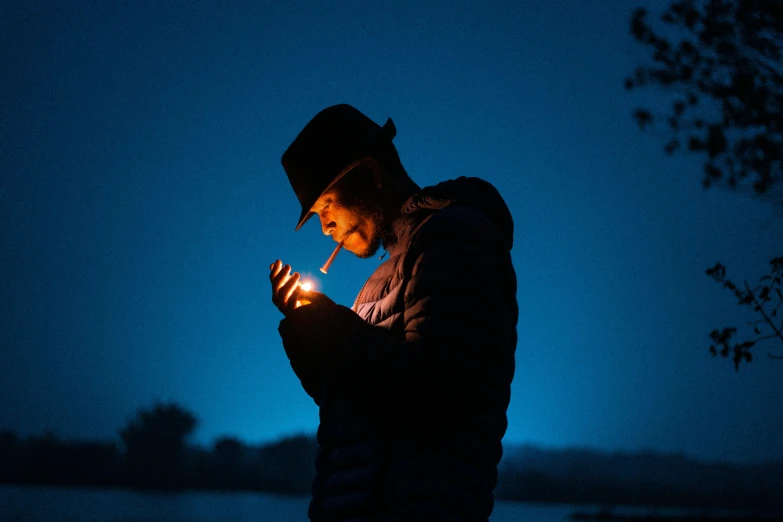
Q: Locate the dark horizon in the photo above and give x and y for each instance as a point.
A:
(510, 449)
(150, 460)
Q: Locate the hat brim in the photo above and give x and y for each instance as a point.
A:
(307, 213)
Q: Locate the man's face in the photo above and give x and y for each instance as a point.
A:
(356, 219)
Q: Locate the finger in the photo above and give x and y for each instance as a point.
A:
(278, 266)
(284, 289)
(314, 297)
(278, 297)
(275, 268)
(280, 278)
(289, 286)
(291, 303)
(285, 295)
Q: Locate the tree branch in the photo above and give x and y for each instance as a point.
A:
(760, 309)
(766, 338)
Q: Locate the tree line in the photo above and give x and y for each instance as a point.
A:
(155, 454)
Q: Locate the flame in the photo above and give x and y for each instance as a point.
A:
(304, 285)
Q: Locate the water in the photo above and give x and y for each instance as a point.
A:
(41, 504)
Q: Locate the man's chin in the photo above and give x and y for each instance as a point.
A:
(365, 253)
(368, 251)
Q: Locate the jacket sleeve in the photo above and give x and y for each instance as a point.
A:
(460, 310)
(309, 335)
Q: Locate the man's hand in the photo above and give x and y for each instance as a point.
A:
(285, 290)
(313, 297)
(288, 294)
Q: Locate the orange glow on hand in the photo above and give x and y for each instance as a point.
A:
(306, 287)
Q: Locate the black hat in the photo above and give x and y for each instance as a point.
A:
(328, 147)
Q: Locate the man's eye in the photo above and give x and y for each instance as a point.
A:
(326, 206)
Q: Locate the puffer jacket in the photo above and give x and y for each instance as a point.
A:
(413, 382)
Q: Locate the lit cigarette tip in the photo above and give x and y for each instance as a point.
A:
(329, 261)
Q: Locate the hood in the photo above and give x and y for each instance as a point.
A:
(470, 192)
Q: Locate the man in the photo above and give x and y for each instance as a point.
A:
(413, 381)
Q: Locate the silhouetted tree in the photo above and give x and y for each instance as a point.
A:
(42, 460)
(765, 299)
(154, 445)
(729, 58)
(288, 464)
(725, 68)
(229, 457)
(10, 449)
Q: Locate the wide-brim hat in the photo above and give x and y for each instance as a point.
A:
(331, 145)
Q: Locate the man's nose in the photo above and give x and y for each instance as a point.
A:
(327, 226)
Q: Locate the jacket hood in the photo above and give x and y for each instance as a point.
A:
(465, 191)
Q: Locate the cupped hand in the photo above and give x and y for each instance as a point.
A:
(285, 290)
(313, 297)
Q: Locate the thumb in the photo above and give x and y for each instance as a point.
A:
(315, 297)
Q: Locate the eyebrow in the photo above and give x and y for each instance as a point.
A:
(326, 200)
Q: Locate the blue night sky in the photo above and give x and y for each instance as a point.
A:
(142, 201)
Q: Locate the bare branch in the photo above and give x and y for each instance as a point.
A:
(760, 310)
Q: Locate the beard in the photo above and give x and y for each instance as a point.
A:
(369, 211)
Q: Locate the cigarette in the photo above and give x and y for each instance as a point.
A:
(329, 261)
